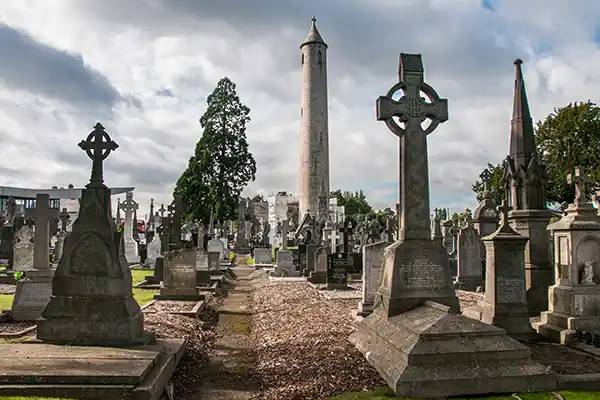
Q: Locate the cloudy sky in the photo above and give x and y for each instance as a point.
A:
(144, 68)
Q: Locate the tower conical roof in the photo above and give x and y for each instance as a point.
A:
(313, 35)
(522, 139)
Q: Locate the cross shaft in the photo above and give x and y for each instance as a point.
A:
(580, 180)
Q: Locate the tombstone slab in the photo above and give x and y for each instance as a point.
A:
(23, 249)
(284, 264)
(469, 271)
(263, 258)
(372, 258)
(179, 277)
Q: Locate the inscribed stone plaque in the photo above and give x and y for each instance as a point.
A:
(213, 261)
(563, 248)
(285, 258)
(341, 265)
(201, 260)
(510, 290)
(23, 257)
(422, 273)
(33, 295)
(262, 256)
(216, 245)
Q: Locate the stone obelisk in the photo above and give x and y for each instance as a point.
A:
(314, 133)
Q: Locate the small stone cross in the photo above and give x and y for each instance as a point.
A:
(411, 110)
(347, 229)
(98, 146)
(504, 208)
(580, 181)
(162, 210)
(64, 219)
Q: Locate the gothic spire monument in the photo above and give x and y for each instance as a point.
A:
(314, 131)
(525, 179)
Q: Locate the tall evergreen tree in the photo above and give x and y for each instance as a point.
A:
(222, 164)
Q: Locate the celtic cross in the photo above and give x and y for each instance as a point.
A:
(580, 181)
(162, 210)
(347, 229)
(411, 110)
(504, 208)
(98, 146)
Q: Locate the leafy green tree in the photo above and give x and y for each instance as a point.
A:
(491, 177)
(222, 164)
(567, 138)
(354, 202)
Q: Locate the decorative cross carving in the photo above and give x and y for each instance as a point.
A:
(98, 146)
(411, 109)
(580, 181)
(64, 219)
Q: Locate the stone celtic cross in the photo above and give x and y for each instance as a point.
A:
(64, 219)
(504, 208)
(129, 205)
(411, 110)
(347, 228)
(98, 146)
(580, 181)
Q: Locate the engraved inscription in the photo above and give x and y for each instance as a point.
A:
(510, 290)
(422, 273)
(37, 294)
(90, 256)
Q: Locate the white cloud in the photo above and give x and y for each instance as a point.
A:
(145, 49)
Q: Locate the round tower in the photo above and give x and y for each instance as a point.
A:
(314, 131)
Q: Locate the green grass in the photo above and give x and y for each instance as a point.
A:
(144, 296)
(139, 275)
(6, 301)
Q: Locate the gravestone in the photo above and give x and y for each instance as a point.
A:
(225, 260)
(262, 258)
(33, 293)
(23, 249)
(213, 258)
(153, 250)
(176, 210)
(372, 258)
(319, 274)
(284, 258)
(575, 297)
(310, 259)
(92, 301)
(217, 246)
(179, 277)
(339, 268)
(202, 268)
(505, 302)
(469, 271)
(131, 245)
(64, 218)
(414, 337)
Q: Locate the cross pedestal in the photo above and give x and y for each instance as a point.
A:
(415, 268)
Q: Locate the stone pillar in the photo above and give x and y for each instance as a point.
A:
(314, 133)
(505, 303)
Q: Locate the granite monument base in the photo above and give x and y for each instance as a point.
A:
(431, 352)
(32, 295)
(102, 373)
(566, 317)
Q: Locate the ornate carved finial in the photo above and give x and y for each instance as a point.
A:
(98, 146)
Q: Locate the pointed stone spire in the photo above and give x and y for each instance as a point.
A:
(313, 35)
(522, 139)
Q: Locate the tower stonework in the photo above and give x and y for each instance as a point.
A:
(314, 133)
(525, 178)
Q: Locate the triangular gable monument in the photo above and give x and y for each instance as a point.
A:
(415, 337)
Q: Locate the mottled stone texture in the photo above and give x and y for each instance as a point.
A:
(314, 126)
(575, 298)
(430, 352)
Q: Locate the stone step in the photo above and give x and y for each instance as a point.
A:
(549, 331)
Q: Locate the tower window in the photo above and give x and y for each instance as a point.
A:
(320, 58)
(302, 62)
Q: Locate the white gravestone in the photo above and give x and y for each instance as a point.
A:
(217, 246)
(23, 249)
(263, 258)
(131, 246)
(372, 258)
(153, 250)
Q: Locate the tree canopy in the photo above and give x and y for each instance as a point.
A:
(222, 164)
(354, 202)
(567, 138)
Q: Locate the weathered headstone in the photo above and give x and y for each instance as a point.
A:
(575, 298)
(179, 277)
(416, 318)
(92, 301)
(372, 258)
(153, 250)
(64, 218)
(33, 293)
(505, 302)
(469, 257)
(216, 245)
(131, 246)
(23, 249)
(319, 274)
(202, 268)
(339, 268)
(214, 261)
(262, 258)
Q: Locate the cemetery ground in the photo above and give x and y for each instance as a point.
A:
(287, 340)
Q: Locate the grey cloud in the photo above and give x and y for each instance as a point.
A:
(33, 66)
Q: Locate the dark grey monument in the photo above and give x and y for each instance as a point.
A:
(92, 301)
